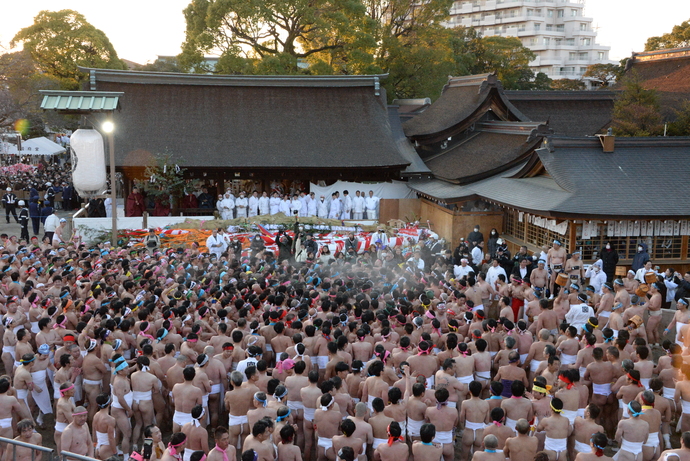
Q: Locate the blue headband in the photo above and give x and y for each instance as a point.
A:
(262, 401)
(120, 367)
(633, 413)
(165, 333)
(280, 418)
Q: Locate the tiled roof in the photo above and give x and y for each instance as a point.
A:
(569, 113)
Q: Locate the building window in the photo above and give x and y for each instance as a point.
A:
(583, 26)
(573, 13)
(602, 56)
(572, 56)
(586, 41)
(532, 41)
(549, 13)
(549, 27)
(561, 13)
(560, 28)
(570, 41)
(547, 41)
(513, 225)
(530, 12)
(582, 56)
(559, 41)
(583, 70)
(537, 27)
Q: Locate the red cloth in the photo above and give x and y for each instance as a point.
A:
(516, 305)
(135, 205)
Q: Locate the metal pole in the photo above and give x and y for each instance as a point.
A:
(113, 183)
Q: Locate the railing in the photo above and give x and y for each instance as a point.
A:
(34, 449)
(66, 456)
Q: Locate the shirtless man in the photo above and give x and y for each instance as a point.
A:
(482, 364)
(202, 382)
(23, 381)
(511, 372)
(375, 386)
(517, 406)
(475, 414)
(597, 444)
(237, 403)
(574, 268)
(444, 419)
(547, 318)
(583, 428)
(121, 408)
(103, 428)
(568, 394)
(197, 436)
(144, 385)
(256, 442)
(601, 374)
(326, 425)
(224, 450)
(217, 374)
(445, 378)
(395, 449)
(425, 449)
(679, 454)
(9, 406)
(93, 372)
(287, 450)
(491, 451)
(76, 437)
(423, 364)
(309, 396)
(603, 310)
(652, 446)
(185, 397)
(621, 298)
(557, 429)
(522, 447)
(569, 348)
(631, 434)
(539, 278)
(348, 427)
(64, 408)
(536, 353)
(555, 260)
(653, 306)
(363, 429)
(27, 434)
(294, 384)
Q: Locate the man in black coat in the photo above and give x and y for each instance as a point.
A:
(683, 290)
(609, 257)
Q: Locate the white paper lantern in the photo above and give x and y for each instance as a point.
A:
(88, 162)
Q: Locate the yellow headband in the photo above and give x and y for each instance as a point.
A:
(554, 408)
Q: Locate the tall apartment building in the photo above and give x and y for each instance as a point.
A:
(555, 30)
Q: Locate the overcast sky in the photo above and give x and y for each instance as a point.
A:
(142, 29)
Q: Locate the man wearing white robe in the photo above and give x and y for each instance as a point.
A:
(241, 205)
(336, 207)
(296, 205)
(264, 204)
(285, 207)
(274, 203)
(311, 205)
(304, 200)
(322, 208)
(254, 204)
(372, 205)
(347, 205)
(227, 206)
(215, 243)
(358, 206)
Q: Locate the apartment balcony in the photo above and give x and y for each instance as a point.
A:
(529, 32)
(584, 33)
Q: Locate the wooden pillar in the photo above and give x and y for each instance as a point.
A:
(572, 236)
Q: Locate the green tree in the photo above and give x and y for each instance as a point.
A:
(60, 41)
(566, 84)
(677, 38)
(504, 55)
(166, 64)
(604, 73)
(257, 29)
(681, 125)
(20, 80)
(636, 110)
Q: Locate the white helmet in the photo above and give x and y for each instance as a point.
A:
(21, 203)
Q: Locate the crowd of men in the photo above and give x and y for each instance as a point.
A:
(344, 359)
(229, 206)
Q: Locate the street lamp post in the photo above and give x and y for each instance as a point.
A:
(108, 126)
